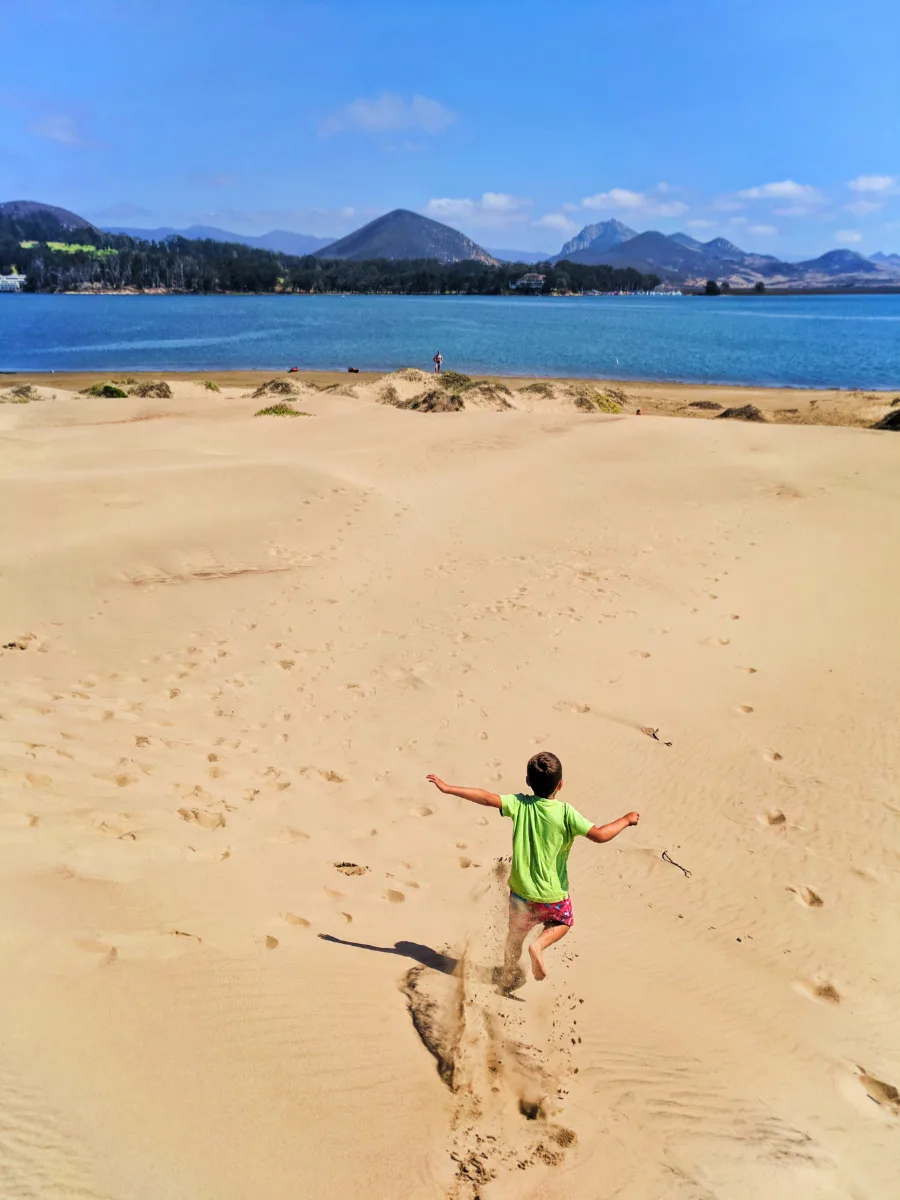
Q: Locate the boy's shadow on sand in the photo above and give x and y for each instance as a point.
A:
(414, 950)
(433, 959)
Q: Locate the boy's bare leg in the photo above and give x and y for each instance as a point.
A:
(551, 934)
(515, 940)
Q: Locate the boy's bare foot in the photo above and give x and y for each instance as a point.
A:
(538, 970)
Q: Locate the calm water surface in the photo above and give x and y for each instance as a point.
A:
(802, 341)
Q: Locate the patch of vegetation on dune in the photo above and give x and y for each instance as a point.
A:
(274, 387)
(157, 388)
(23, 393)
(436, 400)
(746, 412)
(590, 399)
(454, 381)
(488, 393)
(409, 374)
(539, 388)
(708, 405)
(108, 390)
(211, 385)
(281, 410)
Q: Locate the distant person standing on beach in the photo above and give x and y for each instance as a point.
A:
(438, 360)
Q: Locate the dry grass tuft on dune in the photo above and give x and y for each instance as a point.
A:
(891, 421)
(24, 393)
(436, 400)
(707, 405)
(281, 410)
(589, 399)
(275, 387)
(109, 391)
(147, 388)
(746, 412)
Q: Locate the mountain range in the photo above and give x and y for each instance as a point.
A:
(680, 258)
(401, 234)
(282, 241)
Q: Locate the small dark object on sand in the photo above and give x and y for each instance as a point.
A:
(654, 733)
(891, 421)
(665, 857)
(747, 412)
(353, 370)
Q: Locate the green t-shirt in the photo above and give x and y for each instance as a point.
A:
(543, 833)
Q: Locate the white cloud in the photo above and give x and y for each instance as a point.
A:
(875, 183)
(558, 221)
(700, 223)
(861, 208)
(785, 189)
(500, 202)
(763, 230)
(494, 210)
(62, 128)
(848, 237)
(797, 210)
(389, 113)
(635, 203)
(567, 207)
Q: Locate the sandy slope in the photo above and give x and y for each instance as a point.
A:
(243, 644)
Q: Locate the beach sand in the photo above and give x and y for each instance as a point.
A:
(248, 951)
(789, 406)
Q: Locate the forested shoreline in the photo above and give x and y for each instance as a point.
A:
(93, 261)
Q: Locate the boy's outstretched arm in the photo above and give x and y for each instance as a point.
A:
(606, 833)
(476, 795)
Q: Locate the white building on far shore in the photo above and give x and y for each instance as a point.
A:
(11, 283)
(529, 280)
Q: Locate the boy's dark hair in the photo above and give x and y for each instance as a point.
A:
(544, 774)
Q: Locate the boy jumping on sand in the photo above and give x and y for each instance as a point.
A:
(544, 829)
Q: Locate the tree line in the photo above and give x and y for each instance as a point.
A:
(178, 264)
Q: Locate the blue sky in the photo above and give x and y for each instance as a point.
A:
(771, 122)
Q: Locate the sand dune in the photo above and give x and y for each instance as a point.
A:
(248, 952)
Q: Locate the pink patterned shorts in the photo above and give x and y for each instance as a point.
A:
(533, 912)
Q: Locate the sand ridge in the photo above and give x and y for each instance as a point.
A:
(248, 951)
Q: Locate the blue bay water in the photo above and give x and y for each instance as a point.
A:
(799, 341)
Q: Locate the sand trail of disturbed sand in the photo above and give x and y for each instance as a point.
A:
(248, 951)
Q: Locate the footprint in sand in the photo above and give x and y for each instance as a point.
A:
(744, 708)
(203, 818)
(773, 817)
(807, 897)
(394, 896)
(871, 1090)
(820, 990)
(349, 868)
(640, 653)
(293, 919)
(271, 942)
(748, 670)
(772, 756)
